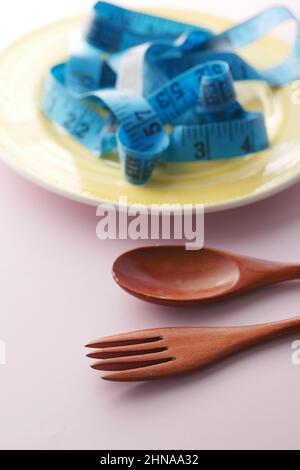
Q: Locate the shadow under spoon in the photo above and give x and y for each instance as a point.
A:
(171, 275)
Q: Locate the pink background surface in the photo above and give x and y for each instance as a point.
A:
(57, 293)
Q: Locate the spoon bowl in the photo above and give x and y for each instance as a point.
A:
(169, 274)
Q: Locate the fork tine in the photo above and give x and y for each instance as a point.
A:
(151, 372)
(132, 350)
(126, 339)
(132, 362)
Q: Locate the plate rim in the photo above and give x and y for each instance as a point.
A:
(81, 198)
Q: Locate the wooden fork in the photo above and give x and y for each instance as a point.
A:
(164, 352)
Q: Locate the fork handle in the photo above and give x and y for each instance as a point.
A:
(260, 333)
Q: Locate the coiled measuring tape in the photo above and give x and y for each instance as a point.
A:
(185, 107)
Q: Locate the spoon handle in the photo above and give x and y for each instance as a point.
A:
(260, 273)
(289, 272)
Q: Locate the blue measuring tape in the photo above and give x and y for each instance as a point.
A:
(159, 90)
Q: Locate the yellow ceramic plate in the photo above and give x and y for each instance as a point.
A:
(40, 151)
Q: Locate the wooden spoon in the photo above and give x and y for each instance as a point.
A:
(174, 276)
